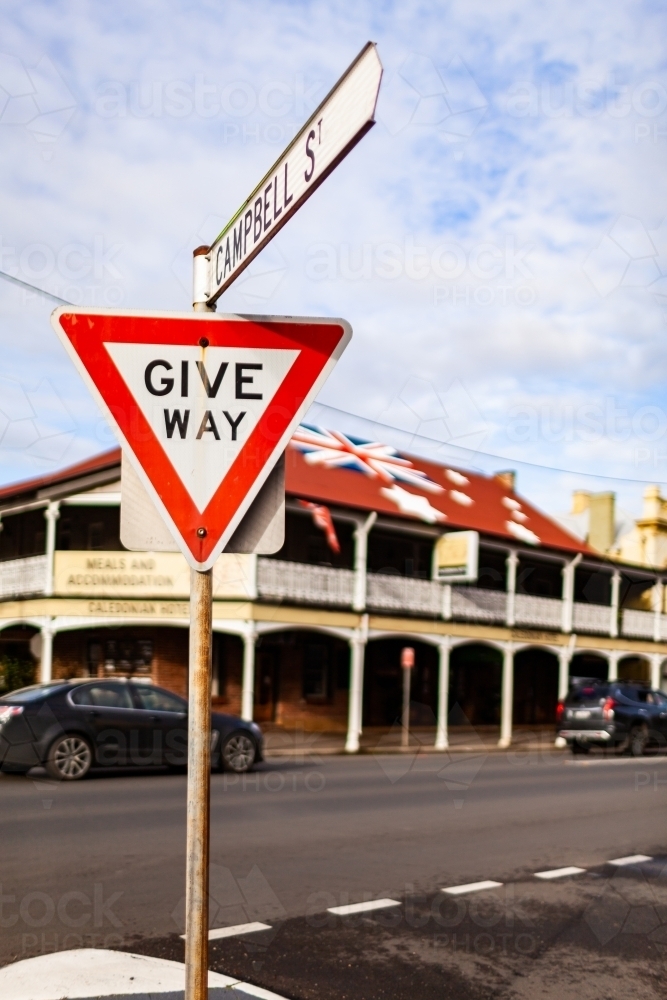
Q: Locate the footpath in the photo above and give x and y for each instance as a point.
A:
(281, 742)
(90, 974)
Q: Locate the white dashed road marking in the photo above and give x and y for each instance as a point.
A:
(458, 890)
(236, 930)
(632, 859)
(372, 904)
(560, 872)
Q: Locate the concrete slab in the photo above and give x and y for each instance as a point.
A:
(92, 973)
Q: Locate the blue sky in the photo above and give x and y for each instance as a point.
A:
(498, 241)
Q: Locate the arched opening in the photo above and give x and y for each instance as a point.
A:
(227, 672)
(19, 653)
(158, 653)
(634, 668)
(474, 684)
(535, 687)
(589, 665)
(383, 683)
(302, 680)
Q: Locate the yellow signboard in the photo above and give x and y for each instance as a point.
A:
(456, 557)
(147, 574)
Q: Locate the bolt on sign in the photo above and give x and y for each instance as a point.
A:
(203, 405)
(341, 120)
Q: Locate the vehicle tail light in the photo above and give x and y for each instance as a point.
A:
(608, 708)
(8, 712)
(560, 709)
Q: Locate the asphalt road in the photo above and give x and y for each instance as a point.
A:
(100, 863)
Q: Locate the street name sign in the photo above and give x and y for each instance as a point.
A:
(341, 120)
(203, 405)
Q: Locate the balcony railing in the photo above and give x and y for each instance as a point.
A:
(303, 583)
(594, 618)
(473, 604)
(545, 612)
(22, 577)
(638, 624)
(403, 593)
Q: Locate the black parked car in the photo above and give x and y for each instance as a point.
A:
(71, 726)
(627, 716)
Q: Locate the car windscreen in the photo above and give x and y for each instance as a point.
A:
(587, 694)
(33, 693)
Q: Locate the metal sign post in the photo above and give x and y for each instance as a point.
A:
(199, 782)
(199, 760)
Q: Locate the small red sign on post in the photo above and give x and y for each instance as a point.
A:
(407, 658)
(204, 405)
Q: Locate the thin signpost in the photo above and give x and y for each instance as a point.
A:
(198, 831)
(341, 120)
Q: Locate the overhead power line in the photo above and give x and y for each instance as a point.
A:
(400, 430)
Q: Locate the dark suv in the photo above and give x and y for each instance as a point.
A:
(71, 726)
(617, 714)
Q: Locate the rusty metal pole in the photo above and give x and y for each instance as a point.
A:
(199, 748)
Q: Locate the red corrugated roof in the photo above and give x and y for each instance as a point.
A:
(104, 461)
(460, 499)
(493, 507)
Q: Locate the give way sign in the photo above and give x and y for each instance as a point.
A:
(205, 405)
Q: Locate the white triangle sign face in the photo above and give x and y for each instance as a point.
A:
(203, 404)
(207, 424)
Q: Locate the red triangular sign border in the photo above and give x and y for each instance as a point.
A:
(320, 343)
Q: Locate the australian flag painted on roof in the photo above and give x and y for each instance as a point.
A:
(334, 449)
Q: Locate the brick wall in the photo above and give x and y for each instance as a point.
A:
(170, 653)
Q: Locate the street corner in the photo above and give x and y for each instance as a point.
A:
(92, 972)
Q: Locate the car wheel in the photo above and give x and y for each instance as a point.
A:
(70, 758)
(638, 741)
(238, 753)
(580, 747)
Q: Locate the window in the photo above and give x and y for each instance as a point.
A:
(634, 693)
(88, 529)
(539, 578)
(306, 543)
(400, 555)
(157, 700)
(103, 696)
(592, 586)
(636, 592)
(23, 535)
(126, 655)
(96, 535)
(316, 672)
(492, 573)
(586, 693)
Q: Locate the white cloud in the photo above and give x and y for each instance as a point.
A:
(559, 146)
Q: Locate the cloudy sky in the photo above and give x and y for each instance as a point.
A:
(498, 241)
